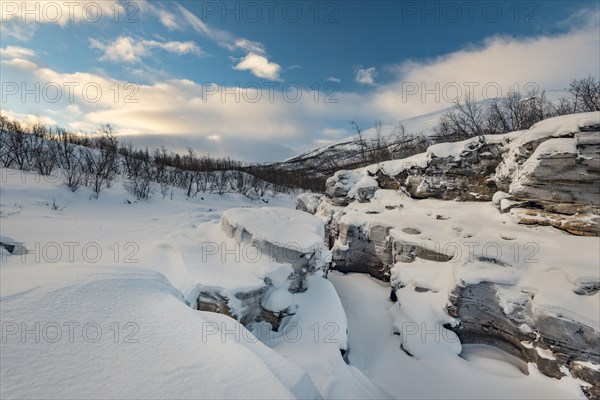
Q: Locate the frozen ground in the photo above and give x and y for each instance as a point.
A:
(108, 284)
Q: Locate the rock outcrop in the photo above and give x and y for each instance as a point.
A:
(547, 340)
(551, 173)
(548, 175)
(283, 266)
(465, 178)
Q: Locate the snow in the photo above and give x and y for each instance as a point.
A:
(278, 300)
(499, 196)
(273, 225)
(152, 343)
(123, 332)
(437, 372)
(475, 233)
(553, 147)
(363, 182)
(134, 270)
(311, 200)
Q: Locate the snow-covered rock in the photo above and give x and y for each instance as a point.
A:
(308, 202)
(479, 263)
(550, 171)
(543, 338)
(282, 248)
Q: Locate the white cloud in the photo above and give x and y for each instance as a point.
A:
(16, 52)
(493, 68)
(334, 79)
(175, 47)
(193, 115)
(129, 50)
(190, 111)
(167, 18)
(28, 119)
(365, 76)
(259, 66)
(222, 38)
(246, 45)
(255, 60)
(123, 49)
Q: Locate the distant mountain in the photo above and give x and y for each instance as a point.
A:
(347, 153)
(401, 139)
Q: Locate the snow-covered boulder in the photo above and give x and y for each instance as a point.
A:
(338, 186)
(286, 236)
(308, 202)
(276, 250)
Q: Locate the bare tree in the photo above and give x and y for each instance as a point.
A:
(587, 94)
(380, 151)
(361, 142)
(68, 159)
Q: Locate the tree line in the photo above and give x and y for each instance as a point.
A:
(97, 160)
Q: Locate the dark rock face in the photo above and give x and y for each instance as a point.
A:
(589, 375)
(562, 170)
(364, 249)
(547, 340)
(466, 178)
(372, 250)
(553, 181)
(251, 302)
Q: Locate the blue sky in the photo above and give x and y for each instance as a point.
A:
(264, 80)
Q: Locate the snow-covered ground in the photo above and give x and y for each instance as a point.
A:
(434, 371)
(99, 307)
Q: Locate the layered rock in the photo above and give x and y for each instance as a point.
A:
(465, 178)
(547, 340)
(551, 171)
(283, 265)
(548, 175)
(558, 184)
